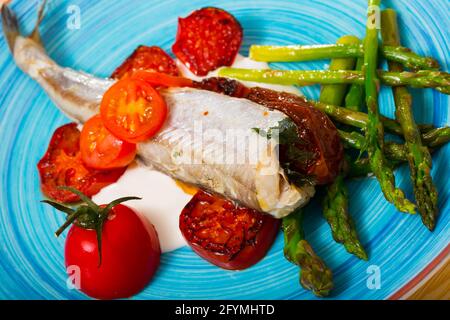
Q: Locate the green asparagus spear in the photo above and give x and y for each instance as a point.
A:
(355, 140)
(424, 128)
(436, 137)
(375, 130)
(361, 167)
(355, 95)
(335, 93)
(395, 152)
(431, 137)
(352, 139)
(419, 157)
(335, 210)
(358, 168)
(421, 79)
(318, 52)
(409, 59)
(314, 274)
(335, 204)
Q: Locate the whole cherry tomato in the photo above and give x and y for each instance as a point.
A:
(111, 250)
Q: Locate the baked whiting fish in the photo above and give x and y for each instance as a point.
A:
(257, 180)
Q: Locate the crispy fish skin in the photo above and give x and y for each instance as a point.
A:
(260, 184)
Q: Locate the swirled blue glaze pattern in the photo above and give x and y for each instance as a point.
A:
(31, 258)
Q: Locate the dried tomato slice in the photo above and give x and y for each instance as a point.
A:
(225, 234)
(147, 58)
(62, 166)
(207, 39)
(314, 127)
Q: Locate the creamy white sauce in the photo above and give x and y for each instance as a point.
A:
(162, 199)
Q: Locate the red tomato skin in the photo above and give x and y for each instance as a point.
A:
(161, 79)
(130, 255)
(248, 254)
(146, 129)
(100, 149)
(146, 58)
(207, 39)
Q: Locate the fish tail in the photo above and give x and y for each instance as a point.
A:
(11, 27)
(35, 35)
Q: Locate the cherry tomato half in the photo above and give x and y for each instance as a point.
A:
(161, 79)
(62, 166)
(227, 235)
(133, 110)
(102, 150)
(207, 39)
(130, 255)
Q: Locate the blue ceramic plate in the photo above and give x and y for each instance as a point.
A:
(31, 259)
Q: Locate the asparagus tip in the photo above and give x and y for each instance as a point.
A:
(360, 253)
(429, 223)
(319, 284)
